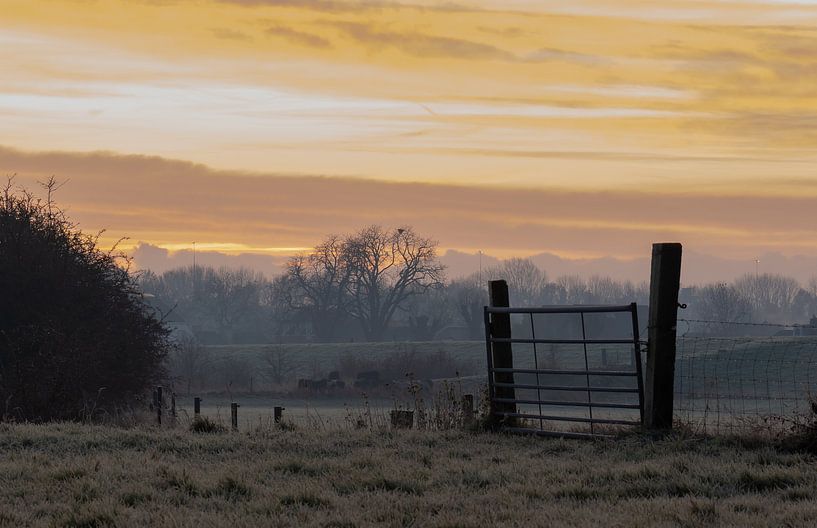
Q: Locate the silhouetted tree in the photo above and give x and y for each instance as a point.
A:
(233, 296)
(570, 289)
(771, 296)
(723, 304)
(388, 267)
(75, 334)
(190, 361)
(525, 280)
(224, 301)
(280, 365)
(469, 297)
(428, 313)
(321, 280)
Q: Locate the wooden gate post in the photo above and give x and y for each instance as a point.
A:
(196, 406)
(665, 281)
(501, 353)
(467, 409)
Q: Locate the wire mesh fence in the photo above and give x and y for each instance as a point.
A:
(745, 385)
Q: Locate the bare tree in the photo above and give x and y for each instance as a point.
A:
(190, 361)
(771, 296)
(812, 286)
(525, 280)
(723, 303)
(388, 267)
(571, 290)
(321, 280)
(232, 295)
(469, 297)
(212, 300)
(279, 364)
(605, 290)
(428, 313)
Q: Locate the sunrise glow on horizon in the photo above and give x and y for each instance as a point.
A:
(584, 128)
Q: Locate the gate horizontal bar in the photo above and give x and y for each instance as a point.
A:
(560, 309)
(569, 404)
(605, 421)
(562, 341)
(569, 372)
(564, 388)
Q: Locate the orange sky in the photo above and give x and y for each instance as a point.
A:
(588, 127)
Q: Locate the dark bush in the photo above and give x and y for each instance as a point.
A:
(76, 338)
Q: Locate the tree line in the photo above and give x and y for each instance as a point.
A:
(388, 284)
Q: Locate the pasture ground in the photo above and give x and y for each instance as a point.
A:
(77, 475)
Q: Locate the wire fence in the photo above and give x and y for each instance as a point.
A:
(745, 384)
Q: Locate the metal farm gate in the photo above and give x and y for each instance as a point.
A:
(564, 370)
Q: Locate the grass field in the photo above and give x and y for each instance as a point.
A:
(73, 475)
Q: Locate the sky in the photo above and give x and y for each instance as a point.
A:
(582, 129)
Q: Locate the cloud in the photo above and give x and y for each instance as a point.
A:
(172, 203)
(420, 44)
(552, 54)
(352, 6)
(231, 34)
(315, 5)
(159, 260)
(299, 37)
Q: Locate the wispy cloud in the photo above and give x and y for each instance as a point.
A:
(421, 45)
(171, 203)
(299, 37)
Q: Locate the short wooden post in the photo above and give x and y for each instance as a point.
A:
(501, 353)
(234, 415)
(196, 406)
(277, 414)
(173, 404)
(665, 281)
(467, 409)
(159, 404)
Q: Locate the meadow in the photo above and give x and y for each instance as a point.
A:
(74, 475)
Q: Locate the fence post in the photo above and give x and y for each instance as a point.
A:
(234, 415)
(196, 406)
(467, 409)
(277, 413)
(159, 404)
(501, 353)
(665, 281)
(173, 404)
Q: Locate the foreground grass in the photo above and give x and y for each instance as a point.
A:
(71, 475)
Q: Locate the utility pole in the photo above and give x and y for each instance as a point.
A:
(480, 268)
